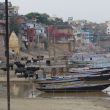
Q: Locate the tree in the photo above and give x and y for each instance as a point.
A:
(41, 18)
(32, 15)
(44, 18)
(58, 21)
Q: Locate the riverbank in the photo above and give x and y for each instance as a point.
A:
(15, 79)
(56, 104)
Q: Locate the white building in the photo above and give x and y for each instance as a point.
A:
(108, 27)
(12, 10)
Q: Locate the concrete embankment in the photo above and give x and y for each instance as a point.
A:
(13, 77)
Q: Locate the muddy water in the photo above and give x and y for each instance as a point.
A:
(28, 90)
(18, 90)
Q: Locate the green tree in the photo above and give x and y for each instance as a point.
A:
(44, 18)
(41, 18)
(32, 15)
(58, 21)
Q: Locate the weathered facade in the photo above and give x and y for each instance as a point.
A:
(12, 10)
(21, 20)
(2, 39)
(104, 42)
(60, 32)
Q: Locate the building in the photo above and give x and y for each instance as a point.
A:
(35, 32)
(2, 40)
(21, 20)
(60, 33)
(62, 37)
(80, 22)
(104, 42)
(12, 10)
(70, 20)
(108, 27)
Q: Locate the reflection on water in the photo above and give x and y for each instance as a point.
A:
(28, 90)
(75, 94)
(18, 89)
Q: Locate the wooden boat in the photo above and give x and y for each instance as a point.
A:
(79, 77)
(104, 71)
(84, 70)
(57, 80)
(94, 77)
(74, 88)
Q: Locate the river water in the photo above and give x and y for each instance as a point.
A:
(28, 90)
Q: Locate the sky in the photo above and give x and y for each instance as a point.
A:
(92, 10)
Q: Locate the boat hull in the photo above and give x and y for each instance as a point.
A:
(92, 87)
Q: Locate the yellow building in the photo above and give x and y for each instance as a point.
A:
(14, 43)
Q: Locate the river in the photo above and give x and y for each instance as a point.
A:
(28, 90)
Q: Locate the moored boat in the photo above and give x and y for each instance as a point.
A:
(74, 78)
(54, 80)
(94, 77)
(74, 88)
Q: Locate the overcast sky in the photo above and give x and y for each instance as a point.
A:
(92, 10)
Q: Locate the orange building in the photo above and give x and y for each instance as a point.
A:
(60, 32)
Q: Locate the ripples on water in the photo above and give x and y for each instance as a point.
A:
(28, 90)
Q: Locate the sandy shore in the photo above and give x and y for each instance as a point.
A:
(55, 104)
